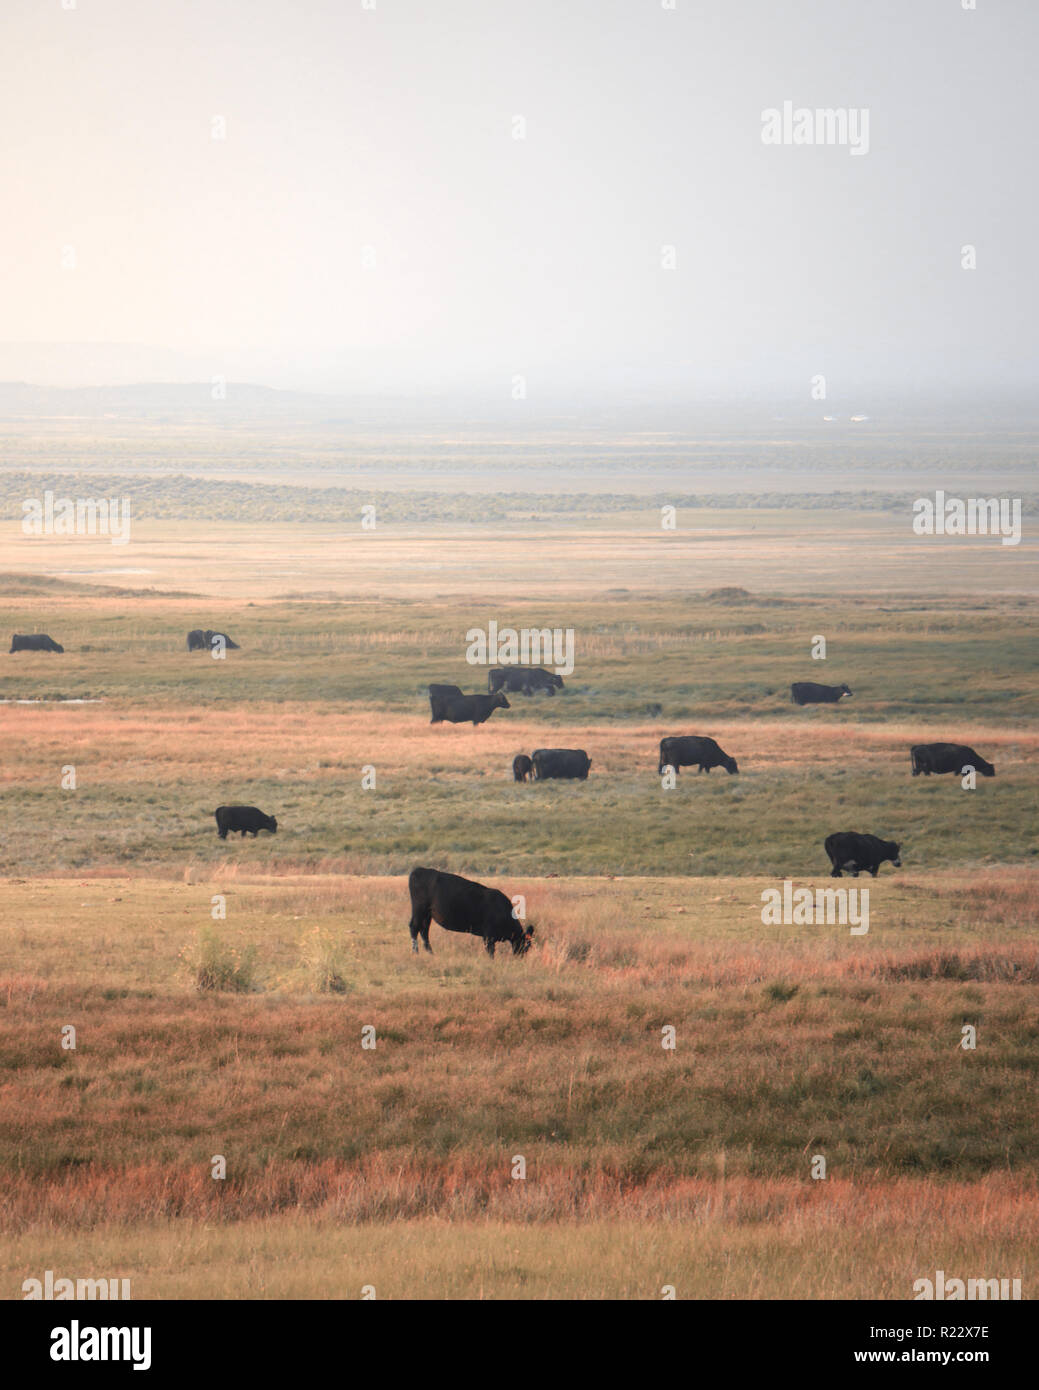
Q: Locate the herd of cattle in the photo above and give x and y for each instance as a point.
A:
(461, 905)
(448, 704)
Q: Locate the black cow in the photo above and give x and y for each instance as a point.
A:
(850, 850)
(199, 641)
(694, 751)
(247, 820)
(947, 757)
(521, 768)
(35, 642)
(523, 680)
(469, 709)
(437, 695)
(458, 904)
(809, 693)
(560, 762)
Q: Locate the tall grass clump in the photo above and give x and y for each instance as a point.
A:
(217, 966)
(323, 962)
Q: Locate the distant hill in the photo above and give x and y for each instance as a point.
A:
(184, 402)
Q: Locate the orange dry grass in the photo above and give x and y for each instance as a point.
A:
(557, 1057)
(167, 743)
(463, 1189)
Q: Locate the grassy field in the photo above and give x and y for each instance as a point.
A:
(147, 782)
(790, 1043)
(860, 555)
(746, 1241)
(635, 655)
(393, 1166)
(320, 691)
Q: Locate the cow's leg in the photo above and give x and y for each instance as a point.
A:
(223, 833)
(488, 942)
(419, 926)
(836, 871)
(873, 870)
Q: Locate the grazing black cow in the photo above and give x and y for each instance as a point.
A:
(469, 709)
(694, 751)
(850, 850)
(458, 904)
(437, 695)
(523, 680)
(560, 762)
(202, 641)
(35, 642)
(947, 757)
(247, 820)
(521, 768)
(810, 693)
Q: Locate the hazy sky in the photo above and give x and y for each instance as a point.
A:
(392, 129)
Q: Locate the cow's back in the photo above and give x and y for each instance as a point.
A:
(34, 642)
(560, 762)
(947, 757)
(691, 748)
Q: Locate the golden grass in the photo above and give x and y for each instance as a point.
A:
(854, 1054)
(394, 1167)
(737, 1241)
(463, 1189)
(121, 744)
(781, 551)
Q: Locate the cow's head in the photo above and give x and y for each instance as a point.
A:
(730, 765)
(522, 943)
(893, 854)
(986, 769)
(557, 681)
(845, 691)
(499, 701)
(272, 823)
